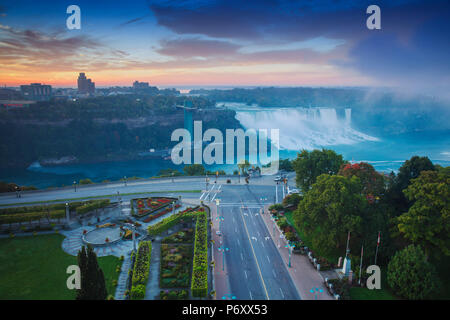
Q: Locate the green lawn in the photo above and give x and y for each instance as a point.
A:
(34, 267)
(384, 293)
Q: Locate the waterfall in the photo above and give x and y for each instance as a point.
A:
(307, 128)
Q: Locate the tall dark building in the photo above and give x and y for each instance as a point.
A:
(85, 86)
(140, 85)
(36, 91)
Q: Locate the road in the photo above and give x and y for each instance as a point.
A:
(255, 269)
(254, 266)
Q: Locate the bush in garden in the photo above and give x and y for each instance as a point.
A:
(199, 283)
(141, 269)
(292, 200)
(276, 207)
(137, 292)
(411, 276)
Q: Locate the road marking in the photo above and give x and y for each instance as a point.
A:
(239, 243)
(274, 274)
(251, 297)
(282, 292)
(245, 272)
(202, 195)
(268, 258)
(235, 229)
(242, 257)
(256, 259)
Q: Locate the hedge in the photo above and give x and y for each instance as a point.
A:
(92, 205)
(169, 222)
(141, 270)
(199, 283)
(31, 216)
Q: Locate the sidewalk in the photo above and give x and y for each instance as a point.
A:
(303, 274)
(220, 277)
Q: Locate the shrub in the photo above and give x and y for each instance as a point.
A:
(137, 292)
(411, 276)
(199, 283)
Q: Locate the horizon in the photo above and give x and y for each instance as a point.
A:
(193, 44)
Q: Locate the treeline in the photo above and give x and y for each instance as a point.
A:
(85, 129)
(409, 209)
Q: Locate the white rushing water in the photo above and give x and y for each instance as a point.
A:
(302, 128)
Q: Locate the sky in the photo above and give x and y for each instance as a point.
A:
(228, 43)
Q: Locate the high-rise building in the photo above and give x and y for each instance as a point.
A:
(85, 86)
(36, 91)
(140, 85)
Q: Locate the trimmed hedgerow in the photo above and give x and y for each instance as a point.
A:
(199, 283)
(92, 205)
(141, 270)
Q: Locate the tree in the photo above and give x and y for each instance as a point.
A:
(243, 166)
(411, 276)
(286, 165)
(86, 181)
(292, 200)
(372, 181)
(427, 221)
(332, 207)
(309, 165)
(92, 279)
(411, 169)
(194, 170)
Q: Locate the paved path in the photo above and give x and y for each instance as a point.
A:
(152, 288)
(123, 277)
(303, 274)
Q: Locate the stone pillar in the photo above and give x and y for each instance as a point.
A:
(340, 262)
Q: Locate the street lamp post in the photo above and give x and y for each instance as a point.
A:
(290, 248)
(125, 180)
(75, 186)
(223, 249)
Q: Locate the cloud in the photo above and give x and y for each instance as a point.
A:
(196, 47)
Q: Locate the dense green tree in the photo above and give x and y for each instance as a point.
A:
(411, 169)
(286, 165)
(411, 276)
(292, 200)
(194, 170)
(86, 181)
(333, 206)
(93, 285)
(427, 221)
(311, 164)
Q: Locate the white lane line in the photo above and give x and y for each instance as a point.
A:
(242, 257)
(282, 292)
(268, 258)
(202, 195)
(274, 274)
(235, 229)
(239, 243)
(245, 272)
(251, 297)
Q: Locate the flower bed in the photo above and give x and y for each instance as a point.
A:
(173, 295)
(169, 222)
(184, 236)
(199, 283)
(161, 213)
(147, 206)
(141, 270)
(176, 260)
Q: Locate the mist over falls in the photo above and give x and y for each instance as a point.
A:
(305, 128)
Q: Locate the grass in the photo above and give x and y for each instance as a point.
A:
(358, 293)
(97, 197)
(34, 268)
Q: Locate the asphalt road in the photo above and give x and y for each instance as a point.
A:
(255, 267)
(256, 270)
